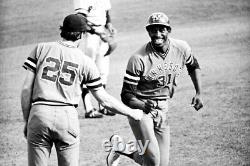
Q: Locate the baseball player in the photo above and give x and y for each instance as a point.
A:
(56, 72)
(149, 83)
(98, 44)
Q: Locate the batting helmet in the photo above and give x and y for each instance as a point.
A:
(75, 23)
(158, 18)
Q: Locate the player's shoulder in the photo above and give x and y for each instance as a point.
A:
(46, 45)
(42, 47)
(179, 44)
(141, 52)
(42, 44)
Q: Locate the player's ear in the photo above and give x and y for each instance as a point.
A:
(169, 29)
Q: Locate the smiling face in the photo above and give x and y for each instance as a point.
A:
(159, 36)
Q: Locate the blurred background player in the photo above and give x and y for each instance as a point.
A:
(98, 44)
(149, 83)
(52, 90)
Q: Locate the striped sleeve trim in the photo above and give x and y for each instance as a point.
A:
(94, 84)
(189, 59)
(30, 64)
(130, 73)
(131, 78)
(135, 78)
(130, 82)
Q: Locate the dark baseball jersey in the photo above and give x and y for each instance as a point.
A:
(150, 75)
(61, 69)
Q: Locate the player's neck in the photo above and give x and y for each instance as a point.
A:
(162, 50)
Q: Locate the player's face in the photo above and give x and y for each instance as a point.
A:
(158, 35)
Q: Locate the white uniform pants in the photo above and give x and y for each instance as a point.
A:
(94, 47)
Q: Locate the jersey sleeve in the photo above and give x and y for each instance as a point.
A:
(187, 53)
(31, 62)
(190, 61)
(131, 79)
(91, 75)
(133, 71)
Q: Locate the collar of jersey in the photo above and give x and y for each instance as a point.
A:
(163, 55)
(68, 43)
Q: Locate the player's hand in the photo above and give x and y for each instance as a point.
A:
(158, 117)
(197, 102)
(111, 29)
(150, 105)
(25, 130)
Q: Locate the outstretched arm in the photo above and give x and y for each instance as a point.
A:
(195, 77)
(111, 103)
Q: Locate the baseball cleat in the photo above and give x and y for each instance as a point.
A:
(113, 157)
(107, 112)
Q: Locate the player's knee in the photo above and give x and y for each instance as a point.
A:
(152, 159)
(153, 162)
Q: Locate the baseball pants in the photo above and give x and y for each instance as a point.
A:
(94, 47)
(56, 125)
(157, 152)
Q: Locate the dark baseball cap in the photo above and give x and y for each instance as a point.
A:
(75, 23)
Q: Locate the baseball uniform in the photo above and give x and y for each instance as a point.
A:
(93, 45)
(152, 76)
(149, 82)
(60, 70)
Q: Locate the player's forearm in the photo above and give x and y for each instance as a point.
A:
(112, 104)
(26, 103)
(133, 102)
(26, 94)
(195, 77)
(130, 99)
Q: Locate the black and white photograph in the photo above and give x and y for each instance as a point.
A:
(125, 83)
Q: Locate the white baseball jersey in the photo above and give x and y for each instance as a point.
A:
(61, 69)
(95, 10)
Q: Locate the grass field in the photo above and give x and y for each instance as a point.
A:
(217, 30)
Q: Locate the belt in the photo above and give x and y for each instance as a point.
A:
(53, 103)
(154, 99)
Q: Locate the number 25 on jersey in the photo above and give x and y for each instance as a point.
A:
(52, 71)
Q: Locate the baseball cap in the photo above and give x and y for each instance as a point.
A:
(158, 18)
(75, 23)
